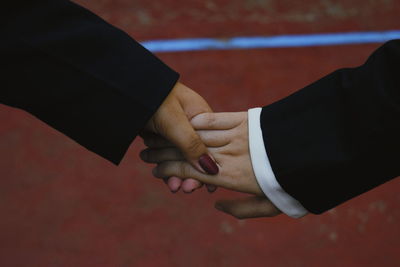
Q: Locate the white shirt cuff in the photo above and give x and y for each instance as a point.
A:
(263, 170)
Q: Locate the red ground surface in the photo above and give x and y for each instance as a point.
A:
(64, 206)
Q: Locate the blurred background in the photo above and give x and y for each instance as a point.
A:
(61, 205)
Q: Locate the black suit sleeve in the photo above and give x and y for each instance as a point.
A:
(339, 137)
(79, 74)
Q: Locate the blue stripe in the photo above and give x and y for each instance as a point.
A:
(298, 40)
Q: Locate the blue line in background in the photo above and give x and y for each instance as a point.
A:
(279, 41)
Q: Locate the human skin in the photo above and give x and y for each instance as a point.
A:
(226, 136)
(171, 123)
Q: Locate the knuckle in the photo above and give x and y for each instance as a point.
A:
(210, 120)
(194, 145)
(159, 124)
(184, 170)
(166, 169)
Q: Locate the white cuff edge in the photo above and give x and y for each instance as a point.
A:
(263, 170)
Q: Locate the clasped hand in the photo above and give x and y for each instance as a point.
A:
(222, 136)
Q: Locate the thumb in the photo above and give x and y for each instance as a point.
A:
(182, 135)
(251, 207)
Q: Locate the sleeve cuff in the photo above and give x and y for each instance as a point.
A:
(264, 173)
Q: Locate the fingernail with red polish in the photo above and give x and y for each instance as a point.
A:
(208, 165)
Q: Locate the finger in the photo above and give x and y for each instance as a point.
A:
(192, 111)
(215, 138)
(184, 170)
(156, 142)
(190, 185)
(174, 184)
(217, 121)
(251, 207)
(188, 141)
(160, 155)
(186, 100)
(172, 122)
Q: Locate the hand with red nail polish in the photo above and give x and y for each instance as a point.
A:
(171, 123)
(226, 136)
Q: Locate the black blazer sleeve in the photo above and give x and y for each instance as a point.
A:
(339, 137)
(79, 74)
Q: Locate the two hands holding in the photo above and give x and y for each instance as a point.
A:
(193, 146)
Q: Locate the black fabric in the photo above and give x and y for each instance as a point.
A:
(338, 137)
(80, 75)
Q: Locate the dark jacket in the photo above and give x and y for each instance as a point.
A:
(79, 74)
(340, 136)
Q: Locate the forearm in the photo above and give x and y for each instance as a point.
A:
(338, 137)
(80, 75)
